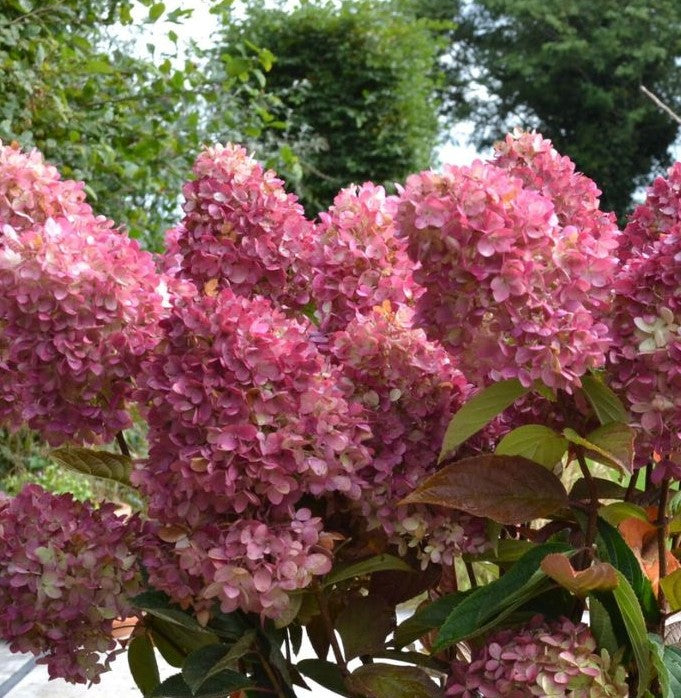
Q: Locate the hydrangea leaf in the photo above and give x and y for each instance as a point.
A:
(507, 489)
(326, 674)
(392, 681)
(143, 665)
(536, 442)
(478, 412)
(636, 630)
(607, 406)
(611, 445)
(365, 567)
(101, 464)
(671, 586)
(600, 576)
(364, 624)
(488, 604)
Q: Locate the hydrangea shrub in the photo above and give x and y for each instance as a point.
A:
(412, 430)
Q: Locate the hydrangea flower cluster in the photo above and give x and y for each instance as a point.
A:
(244, 563)
(544, 658)
(512, 277)
(646, 321)
(245, 418)
(66, 572)
(79, 306)
(357, 260)
(657, 216)
(31, 191)
(242, 230)
(410, 390)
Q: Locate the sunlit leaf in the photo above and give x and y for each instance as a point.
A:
(601, 576)
(535, 442)
(479, 411)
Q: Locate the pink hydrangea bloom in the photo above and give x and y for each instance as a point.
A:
(79, 306)
(646, 354)
(245, 418)
(544, 658)
(658, 215)
(587, 237)
(31, 191)
(66, 572)
(243, 563)
(410, 389)
(512, 281)
(242, 230)
(357, 260)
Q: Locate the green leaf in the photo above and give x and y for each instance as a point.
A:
(361, 569)
(487, 604)
(173, 687)
(663, 676)
(672, 661)
(601, 626)
(156, 10)
(98, 66)
(636, 630)
(175, 642)
(607, 406)
(326, 674)
(479, 411)
(615, 439)
(671, 586)
(606, 489)
(614, 435)
(364, 624)
(614, 549)
(142, 663)
(535, 442)
(507, 489)
(392, 681)
(617, 512)
(157, 604)
(425, 619)
(101, 464)
(198, 671)
(508, 550)
(230, 659)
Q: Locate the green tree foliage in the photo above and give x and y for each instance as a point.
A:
(573, 69)
(357, 83)
(130, 125)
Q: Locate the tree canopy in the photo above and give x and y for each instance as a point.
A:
(128, 124)
(573, 70)
(357, 84)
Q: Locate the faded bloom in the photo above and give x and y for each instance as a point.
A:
(79, 306)
(245, 418)
(544, 658)
(242, 563)
(515, 280)
(66, 572)
(410, 389)
(357, 260)
(241, 230)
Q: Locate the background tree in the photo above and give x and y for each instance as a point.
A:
(129, 124)
(357, 84)
(572, 69)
